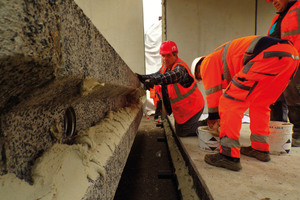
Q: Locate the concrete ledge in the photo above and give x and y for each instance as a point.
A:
(89, 169)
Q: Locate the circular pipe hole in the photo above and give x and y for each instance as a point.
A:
(69, 122)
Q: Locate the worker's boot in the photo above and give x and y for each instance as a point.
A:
(296, 139)
(158, 110)
(296, 142)
(259, 155)
(220, 160)
(294, 117)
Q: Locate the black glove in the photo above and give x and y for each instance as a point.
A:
(140, 77)
(148, 84)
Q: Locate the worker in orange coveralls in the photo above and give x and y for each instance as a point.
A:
(254, 71)
(155, 94)
(180, 93)
(286, 25)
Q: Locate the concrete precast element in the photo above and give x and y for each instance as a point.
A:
(88, 169)
(46, 41)
(53, 58)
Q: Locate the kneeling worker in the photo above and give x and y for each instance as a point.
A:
(180, 92)
(254, 71)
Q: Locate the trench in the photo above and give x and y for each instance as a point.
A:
(149, 172)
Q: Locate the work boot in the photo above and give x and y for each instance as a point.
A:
(220, 160)
(295, 120)
(296, 142)
(259, 155)
(158, 110)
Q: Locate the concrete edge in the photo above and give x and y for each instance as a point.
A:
(199, 185)
(186, 182)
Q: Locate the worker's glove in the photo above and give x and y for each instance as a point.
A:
(140, 77)
(148, 84)
(214, 125)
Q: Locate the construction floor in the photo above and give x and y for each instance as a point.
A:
(278, 179)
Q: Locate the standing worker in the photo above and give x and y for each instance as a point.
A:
(254, 71)
(286, 25)
(180, 92)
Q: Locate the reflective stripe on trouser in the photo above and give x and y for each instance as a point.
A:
(271, 76)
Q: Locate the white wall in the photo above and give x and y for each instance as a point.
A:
(265, 13)
(121, 23)
(199, 26)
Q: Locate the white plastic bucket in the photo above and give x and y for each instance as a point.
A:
(280, 139)
(208, 142)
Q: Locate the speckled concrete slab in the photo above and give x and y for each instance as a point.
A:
(58, 76)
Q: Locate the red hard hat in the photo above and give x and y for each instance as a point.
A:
(168, 47)
(269, 1)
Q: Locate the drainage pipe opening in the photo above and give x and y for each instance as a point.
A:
(69, 122)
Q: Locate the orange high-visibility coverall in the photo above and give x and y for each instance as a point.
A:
(249, 82)
(290, 29)
(155, 94)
